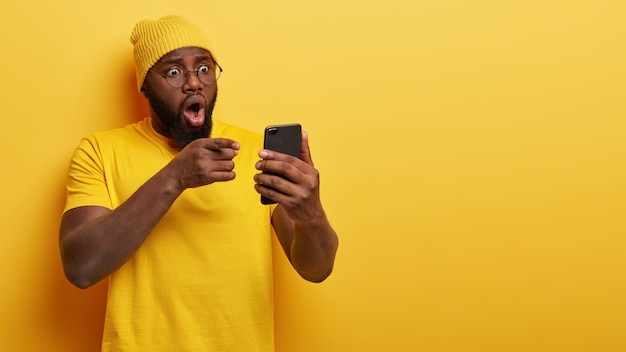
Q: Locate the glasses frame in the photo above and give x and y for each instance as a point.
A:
(186, 73)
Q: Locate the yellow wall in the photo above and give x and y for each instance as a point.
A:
(473, 160)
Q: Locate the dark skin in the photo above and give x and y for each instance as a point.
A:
(95, 241)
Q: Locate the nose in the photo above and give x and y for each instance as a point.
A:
(192, 82)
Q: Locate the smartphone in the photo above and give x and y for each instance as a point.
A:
(284, 139)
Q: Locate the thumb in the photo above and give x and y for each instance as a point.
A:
(305, 151)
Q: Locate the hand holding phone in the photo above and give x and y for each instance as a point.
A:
(285, 139)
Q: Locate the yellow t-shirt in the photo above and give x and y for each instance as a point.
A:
(202, 280)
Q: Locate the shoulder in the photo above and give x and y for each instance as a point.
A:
(240, 134)
(136, 128)
(121, 135)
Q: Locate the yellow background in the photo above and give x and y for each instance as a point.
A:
(472, 157)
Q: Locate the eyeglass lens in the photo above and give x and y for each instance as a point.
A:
(207, 75)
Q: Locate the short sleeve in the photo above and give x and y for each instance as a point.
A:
(86, 183)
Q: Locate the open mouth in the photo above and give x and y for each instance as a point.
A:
(194, 113)
(193, 109)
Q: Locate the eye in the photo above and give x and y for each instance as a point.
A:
(203, 69)
(173, 72)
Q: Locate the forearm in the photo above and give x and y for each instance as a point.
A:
(313, 249)
(93, 250)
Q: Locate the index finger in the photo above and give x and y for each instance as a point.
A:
(219, 143)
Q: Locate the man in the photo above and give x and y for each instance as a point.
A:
(167, 209)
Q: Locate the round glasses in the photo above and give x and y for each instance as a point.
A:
(177, 78)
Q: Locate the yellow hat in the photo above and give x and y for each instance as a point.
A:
(154, 39)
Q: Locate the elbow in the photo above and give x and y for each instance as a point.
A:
(316, 277)
(78, 278)
(316, 280)
(77, 274)
(317, 273)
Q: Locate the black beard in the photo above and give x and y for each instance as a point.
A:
(173, 121)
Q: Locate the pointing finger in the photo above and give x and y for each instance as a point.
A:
(219, 143)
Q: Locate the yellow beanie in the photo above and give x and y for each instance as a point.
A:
(154, 39)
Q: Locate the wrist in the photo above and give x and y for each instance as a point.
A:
(169, 183)
(316, 221)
